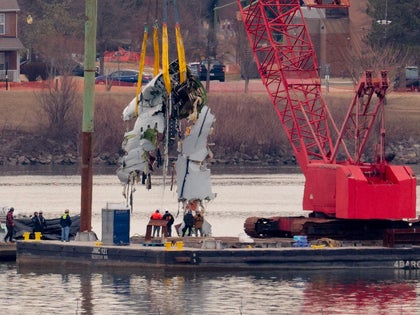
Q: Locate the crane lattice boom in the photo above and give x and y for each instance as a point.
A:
(345, 188)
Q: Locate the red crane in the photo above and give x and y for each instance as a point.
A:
(340, 182)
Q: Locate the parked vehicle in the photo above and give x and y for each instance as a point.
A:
(217, 70)
(123, 78)
(412, 77)
(199, 69)
(195, 68)
(79, 70)
(34, 70)
(42, 69)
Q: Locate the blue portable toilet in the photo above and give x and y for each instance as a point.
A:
(115, 224)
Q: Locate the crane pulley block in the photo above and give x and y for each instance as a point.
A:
(327, 4)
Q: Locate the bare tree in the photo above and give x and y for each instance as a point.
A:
(244, 54)
(58, 105)
(55, 33)
(390, 58)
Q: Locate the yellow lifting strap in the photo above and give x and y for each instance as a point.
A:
(181, 54)
(180, 47)
(156, 52)
(165, 59)
(141, 68)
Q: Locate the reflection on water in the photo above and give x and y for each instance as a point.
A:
(169, 292)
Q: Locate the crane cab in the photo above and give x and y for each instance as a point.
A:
(327, 4)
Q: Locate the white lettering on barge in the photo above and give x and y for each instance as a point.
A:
(100, 253)
(407, 264)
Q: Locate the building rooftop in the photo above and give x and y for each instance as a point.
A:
(9, 5)
(10, 43)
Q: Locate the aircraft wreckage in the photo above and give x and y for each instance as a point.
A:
(163, 119)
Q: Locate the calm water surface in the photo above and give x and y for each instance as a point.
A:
(56, 291)
(238, 197)
(159, 292)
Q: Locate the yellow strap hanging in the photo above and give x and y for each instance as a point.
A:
(156, 67)
(182, 64)
(165, 59)
(181, 54)
(141, 68)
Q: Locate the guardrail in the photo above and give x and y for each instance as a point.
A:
(12, 75)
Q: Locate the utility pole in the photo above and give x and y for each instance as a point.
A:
(385, 22)
(87, 125)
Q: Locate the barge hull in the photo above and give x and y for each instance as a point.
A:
(88, 255)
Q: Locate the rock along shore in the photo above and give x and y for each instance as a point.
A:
(403, 153)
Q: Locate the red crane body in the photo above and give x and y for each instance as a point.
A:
(339, 182)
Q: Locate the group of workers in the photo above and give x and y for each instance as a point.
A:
(169, 221)
(191, 222)
(39, 224)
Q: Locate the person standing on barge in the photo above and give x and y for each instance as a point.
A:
(65, 222)
(170, 220)
(156, 216)
(10, 225)
(188, 223)
(198, 224)
(43, 222)
(36, 223)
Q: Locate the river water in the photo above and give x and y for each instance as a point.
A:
(56, 291)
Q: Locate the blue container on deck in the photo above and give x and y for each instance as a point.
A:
(300, 241)
(115, 224)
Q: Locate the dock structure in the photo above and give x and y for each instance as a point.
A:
(213, 254)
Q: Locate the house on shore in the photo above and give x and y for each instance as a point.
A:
(10, 44)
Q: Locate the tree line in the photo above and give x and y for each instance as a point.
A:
(57, 29)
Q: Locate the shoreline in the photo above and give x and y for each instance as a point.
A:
(253, 167)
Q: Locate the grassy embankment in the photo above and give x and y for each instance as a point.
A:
(246, 123)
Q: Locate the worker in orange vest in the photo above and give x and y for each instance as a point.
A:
(156, 216)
